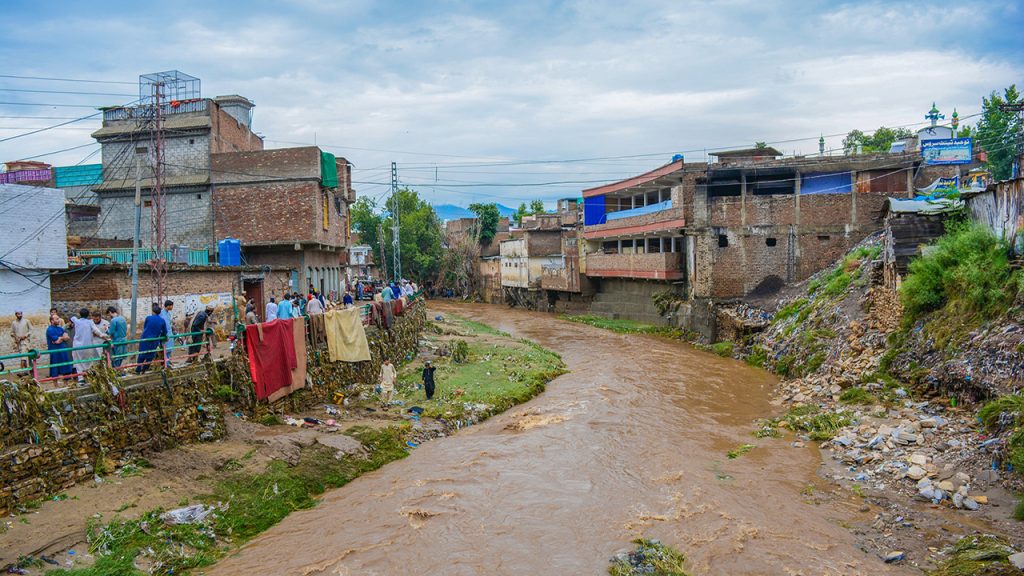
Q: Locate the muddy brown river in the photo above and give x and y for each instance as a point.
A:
(631, 442)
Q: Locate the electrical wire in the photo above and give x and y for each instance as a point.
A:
(53, 79)
(63, 92)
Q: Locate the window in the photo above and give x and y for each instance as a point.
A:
(723, 241)
(824, 238)
(141, 150)
(191, 140)
(147, 203)
(199, 196)
(769, 241)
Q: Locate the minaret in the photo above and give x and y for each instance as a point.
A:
(934, 115)
(821, 145)
(954, 121)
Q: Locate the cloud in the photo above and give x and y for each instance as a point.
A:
(449, 84)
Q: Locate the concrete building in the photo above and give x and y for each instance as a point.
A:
(289, 207)
(194, 130)
(524, 257)
(746, 225)
(34, 242)
(361, 265)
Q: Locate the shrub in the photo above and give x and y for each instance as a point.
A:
(968, 268)
(758, 357)
(856, 395)
(723, 349)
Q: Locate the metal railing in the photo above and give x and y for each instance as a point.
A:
(124, 256)
(113, 354)
(167, 108)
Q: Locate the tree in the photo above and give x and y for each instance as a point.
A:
(419, 233)
(487, 217)
(997, 132)
(518, 216)
(537, 207)
(879, 141)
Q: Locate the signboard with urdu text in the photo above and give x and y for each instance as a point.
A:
(947, 151)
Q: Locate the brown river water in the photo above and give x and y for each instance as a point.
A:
(630, 443)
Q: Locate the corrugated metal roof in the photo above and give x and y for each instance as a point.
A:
(923, 205)
(84, 175)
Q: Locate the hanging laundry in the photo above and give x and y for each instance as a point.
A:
(346, 337)
(271, 347)
(298, 380)
(397, 306)
(317, 331)
(377, 315)
(389, 314)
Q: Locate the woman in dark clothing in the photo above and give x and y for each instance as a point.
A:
(428, 379)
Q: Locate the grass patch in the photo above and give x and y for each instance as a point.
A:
(623, 326)
(651, 557)
(739, 451)
(967, 271)
(767, 429)
(474, 327)
(758, 357)
(790, 310)
(247, 504)
(271, 420)
(857, 395)
(815, 423)
(495, 375)
(723, 349)
(975, 555)
(1003, 411)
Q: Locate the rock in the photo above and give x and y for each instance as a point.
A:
(916, 473)
(885, 430)
(918, 458)
(958, 500)
(988, 476)
(980, 499)
(961, 478)
(1017, 560)
(971, 503)
(894, 556)
(947, 486)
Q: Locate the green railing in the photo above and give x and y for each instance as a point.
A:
(124, 256)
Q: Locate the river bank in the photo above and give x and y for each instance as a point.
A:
(263, 471)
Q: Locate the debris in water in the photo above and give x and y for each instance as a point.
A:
(650, 557)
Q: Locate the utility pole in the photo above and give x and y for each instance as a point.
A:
(396, 247)
(383, 255)
(135, 243)
(1017, 107)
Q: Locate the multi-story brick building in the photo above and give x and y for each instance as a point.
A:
(745, 225)
(193, 131)
(289, 207)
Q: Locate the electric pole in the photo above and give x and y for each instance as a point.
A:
(383, 255)
(396, 247)
(135, 242)
(1017, 107)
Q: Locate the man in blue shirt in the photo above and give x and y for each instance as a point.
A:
(118, 332)
(153, 328)
(284, 309)
(167, 315)
(386, 294)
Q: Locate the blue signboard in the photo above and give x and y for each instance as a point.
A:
(947, 151)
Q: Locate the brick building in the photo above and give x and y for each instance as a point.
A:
(289, 207)
(746, 225)
(194, 129)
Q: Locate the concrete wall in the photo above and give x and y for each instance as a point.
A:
(187, 211)
(33, 242)
(630, 299)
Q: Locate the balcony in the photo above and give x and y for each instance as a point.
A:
(656, 266)
(148, 111)
(661, 216)
(124, 256)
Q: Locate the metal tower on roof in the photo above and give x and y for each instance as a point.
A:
(934, 115)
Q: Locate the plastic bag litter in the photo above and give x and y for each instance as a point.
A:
(193, 514)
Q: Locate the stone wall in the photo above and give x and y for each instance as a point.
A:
(52, 441)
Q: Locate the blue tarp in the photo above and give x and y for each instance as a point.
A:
(593, 211)
(641, 210)
(84, 175)
(826, 183)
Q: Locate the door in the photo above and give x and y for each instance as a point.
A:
(254, 291)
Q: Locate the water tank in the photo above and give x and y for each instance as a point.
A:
(229, 252)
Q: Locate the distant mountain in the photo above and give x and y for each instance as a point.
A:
(452, 212)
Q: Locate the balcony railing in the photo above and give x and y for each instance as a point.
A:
(659, 265)
(167, 108)
(649, 209)
(124, 256)
(25, 176)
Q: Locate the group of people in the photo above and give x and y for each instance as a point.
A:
(65, 339)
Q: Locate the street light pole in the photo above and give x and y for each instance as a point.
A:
(135, 243)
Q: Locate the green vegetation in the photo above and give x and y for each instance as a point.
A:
(857, 395)
(496, 374)
(622, 326)
(271, 420)
(1018, 510)
(459, 351)
(225, 394)
(487, 217)
(758, 356)
(650, 558)
(1007, 413)
(723, 349)
(767, 429)
(996, 131)
(790, 310)
(246, 504)
(739, 451)
(879, 141)
(817, 424)
(837, 280)
(976, 555)
(667, 301)
(967, 274)
(420, 231)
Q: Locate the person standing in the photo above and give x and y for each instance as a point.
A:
(168, 315)
(153, 329)
(86, 333)
(21, 331)
(359, 290)
(284, 309)
(387, 295)
(347, 300)
(57, 338)
(271, 310)
(118, 332)
(199, 325)
(53, 312)
(250, 314)
(428, 379)
(300, 304)
(388, 376)
(314, 307)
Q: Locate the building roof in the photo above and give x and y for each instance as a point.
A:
(922, 205)
(189, 121)
(765, 152)
(147, 183)
(645, 178)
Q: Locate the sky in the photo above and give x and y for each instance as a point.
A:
(511, 101)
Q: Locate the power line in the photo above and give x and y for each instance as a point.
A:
(40, 104)
(63, 92)
(52, 79)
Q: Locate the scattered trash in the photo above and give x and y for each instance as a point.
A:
(188, 515)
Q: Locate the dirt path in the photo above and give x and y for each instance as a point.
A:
(632, 442)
